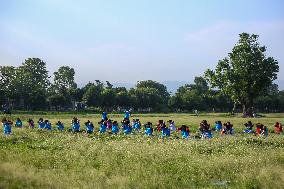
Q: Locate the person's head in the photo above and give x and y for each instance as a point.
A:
(114, 122)
(40, 119)
(18, 119)
(4, 120)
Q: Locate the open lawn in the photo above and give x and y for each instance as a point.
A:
(32, 158)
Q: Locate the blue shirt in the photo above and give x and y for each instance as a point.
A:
(127, 129)
(104, 116)
(127, 115)
(41, 125)
(137, 125)
(90, 127)
(185, 134)
(47, 126)
(114, 129)
(60, 127)
(18, 124)
(7, 128)
(76, 127)
(166, 132)
(103, 128)
(149, 131)
(218, 126)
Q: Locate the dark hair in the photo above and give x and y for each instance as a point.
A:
(4, 120)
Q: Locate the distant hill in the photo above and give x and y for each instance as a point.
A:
(172, 86)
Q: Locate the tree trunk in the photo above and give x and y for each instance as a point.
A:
(247, 111)
(234, 108)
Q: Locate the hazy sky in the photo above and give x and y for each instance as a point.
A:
(130, 40)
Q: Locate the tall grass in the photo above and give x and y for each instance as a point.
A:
(42, 159)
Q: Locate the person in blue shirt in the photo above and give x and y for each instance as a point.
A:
(104, 116)
(114, 128)
(47, 125)
(165, 130)
(60, 126)
(7, 129)
(41, 123)
(127, 114)
(136, 124)
(218, 126)
(89, 127)
(75, 125)
(18, 123)
(148, 129)
(103, 126)
(184, 131)
(127, 129)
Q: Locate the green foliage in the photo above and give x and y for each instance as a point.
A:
(93, 95)
(64, 78)
(245, 73)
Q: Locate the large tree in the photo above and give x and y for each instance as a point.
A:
(245, 73)
(33, 81)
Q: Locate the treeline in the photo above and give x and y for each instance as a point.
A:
(28, 87)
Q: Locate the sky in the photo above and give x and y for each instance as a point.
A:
(126, 41)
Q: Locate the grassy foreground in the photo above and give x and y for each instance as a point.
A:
(42, 159)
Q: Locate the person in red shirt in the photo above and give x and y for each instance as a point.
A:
(278, 128)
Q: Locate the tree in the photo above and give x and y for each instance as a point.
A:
(93, 95)
(200, 85)
(64, 78)
(65, 85)
(7, 82)
(32, 83)
(161, 89)
(158, 92)
(147, 98)
(109, 97)
(245, 73)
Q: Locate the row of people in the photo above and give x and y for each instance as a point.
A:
(161, 126)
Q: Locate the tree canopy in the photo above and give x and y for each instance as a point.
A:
(245, 73)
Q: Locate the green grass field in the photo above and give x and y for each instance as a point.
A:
(51, 159)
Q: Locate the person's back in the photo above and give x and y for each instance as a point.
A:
(75, 125)
(103, 127)
(41, 123)
(278, 128)
(218, 125)
(127, 114)
(148, 129)
(47, 125)
(18, 123)
(7, 129)
(104, 116)
(60, 126)
(115, 128)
